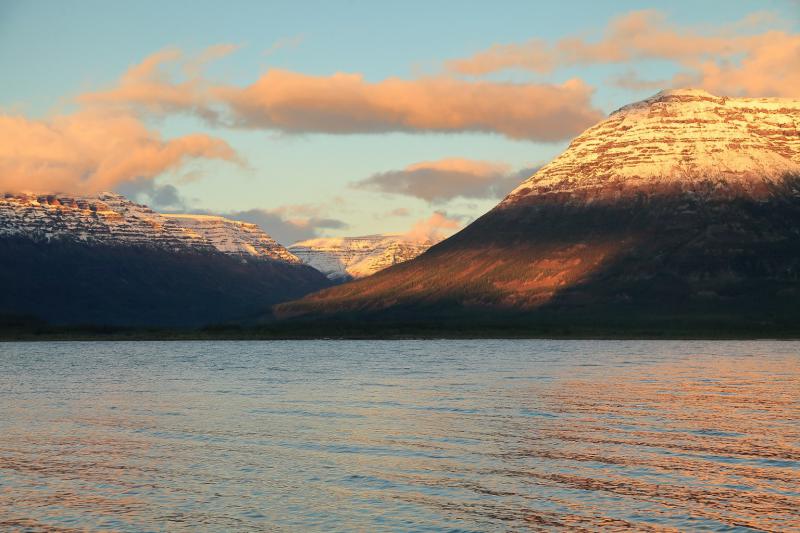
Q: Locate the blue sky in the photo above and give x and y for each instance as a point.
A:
(53, 51)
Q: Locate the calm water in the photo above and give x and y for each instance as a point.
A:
(417, 435)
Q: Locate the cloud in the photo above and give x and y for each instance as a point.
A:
(293, 223)
(287, 224)
(399, 212)
(158, 197)
(92, 150)
(631, 80)
(771, 66)
(295, 103)
(732, 59)
(346, 104)
(105, 145)
(283, 229)
(434, 228)
(287, 42)
(151, 86)
(535, 55)
(445, 179)
(633, 36)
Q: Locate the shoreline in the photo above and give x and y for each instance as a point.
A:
(401, 334)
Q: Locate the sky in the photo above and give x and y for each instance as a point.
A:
(349, 117)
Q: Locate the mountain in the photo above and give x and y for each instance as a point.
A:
(231, 237)
(680, 210)
(345, 258)
(679, 139)
(106, 260)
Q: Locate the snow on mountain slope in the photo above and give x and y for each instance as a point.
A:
(684, 206)
(105, 218)
(342, 258)
(676, 137)
(110, 218)
(232, 236)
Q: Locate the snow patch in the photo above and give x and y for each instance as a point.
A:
(341, 258)
(677, 136)
(113, 219)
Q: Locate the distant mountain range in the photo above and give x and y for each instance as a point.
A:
(346, 258)
(110, 218)
(680, 209)
(106, 260)
(678, 212)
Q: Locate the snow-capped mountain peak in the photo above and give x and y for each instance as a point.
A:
(676, 137)
(232, 237)
(678, 211)
(342, 258)
(110, 218)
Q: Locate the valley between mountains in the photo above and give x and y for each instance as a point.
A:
(679, 211)
(103, 259)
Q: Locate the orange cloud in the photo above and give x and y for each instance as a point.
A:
(283, 224)
(150, 86)
(346, 103)
(287, 42)
(439, 181)
(434, 228)
(771, 66)
(92, 150)
(535, 55)
(726, 60)
(399, 212)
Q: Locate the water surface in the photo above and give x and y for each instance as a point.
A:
(400, 435)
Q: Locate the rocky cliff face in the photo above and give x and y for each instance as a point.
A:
(231, 237)
(677, 139)
(343, 258)
(110, 218)
(105, 218)
(683, 207)
(105, 260)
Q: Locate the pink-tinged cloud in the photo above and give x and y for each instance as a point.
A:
(291, 102)
(92, 150)
(151, 85)
(636, 35)
(434, 228)
(732, 59)
(285, 226)
(346, 104)
(445, 179)
(770, 67)
(399, 212)
(535, 55)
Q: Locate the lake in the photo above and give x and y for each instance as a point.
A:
(472, 435)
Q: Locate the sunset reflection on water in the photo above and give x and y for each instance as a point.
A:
(400, 435)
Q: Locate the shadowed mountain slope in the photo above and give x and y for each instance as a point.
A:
(104, 260)
(683, 207)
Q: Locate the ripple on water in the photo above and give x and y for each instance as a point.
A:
(400, 435)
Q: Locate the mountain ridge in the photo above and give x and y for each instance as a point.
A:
(111, 218)
(599, 234)
(675, 138)
(103, 259)
(345, 258)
